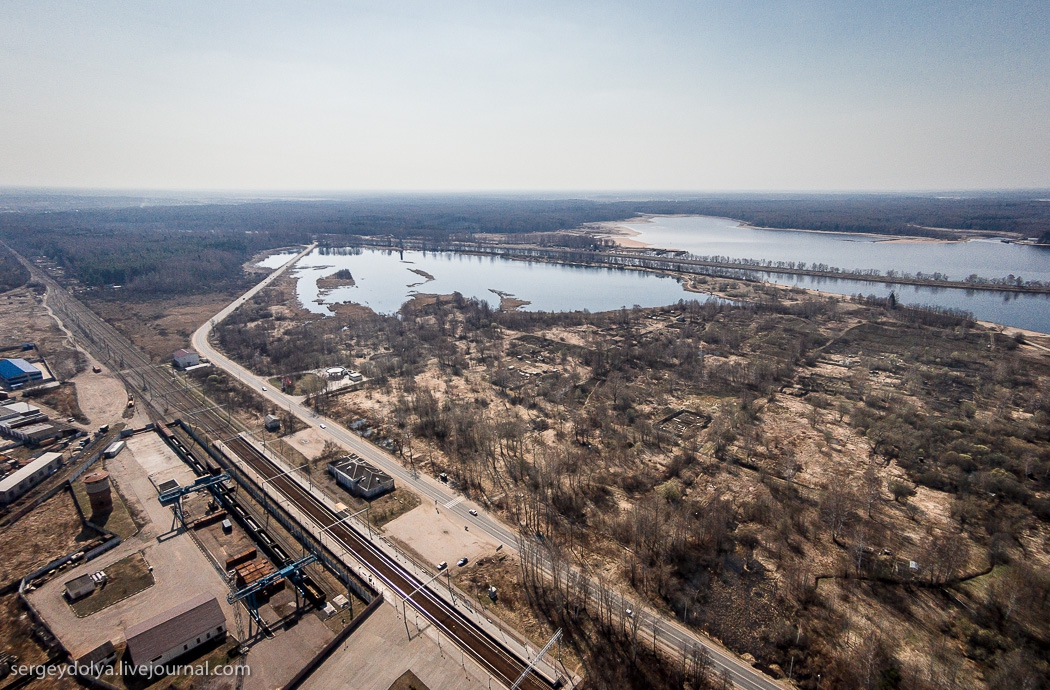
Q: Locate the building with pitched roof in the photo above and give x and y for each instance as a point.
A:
(180, 629)
(360, 478)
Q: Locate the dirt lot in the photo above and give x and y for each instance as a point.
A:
(101, 397)
(437, 538)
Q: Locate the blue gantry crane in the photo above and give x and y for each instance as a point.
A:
(173, 497)
(249, 594)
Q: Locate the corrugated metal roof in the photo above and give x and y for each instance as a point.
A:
(14, 367)
(153, 637)
(13, 479)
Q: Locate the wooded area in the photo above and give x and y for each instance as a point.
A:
(834, 443)
(179, 249)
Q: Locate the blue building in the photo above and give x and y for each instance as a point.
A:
(18, 372)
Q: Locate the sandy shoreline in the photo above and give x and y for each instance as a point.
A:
(622, 235)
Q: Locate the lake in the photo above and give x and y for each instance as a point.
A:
(387, 279)
(708, 236)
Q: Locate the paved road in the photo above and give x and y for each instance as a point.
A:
(671, 634)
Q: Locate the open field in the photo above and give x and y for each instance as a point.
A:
(53, 529)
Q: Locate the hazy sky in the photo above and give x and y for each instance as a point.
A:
(525, 96)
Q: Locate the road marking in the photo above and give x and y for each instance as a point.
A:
(454, 502)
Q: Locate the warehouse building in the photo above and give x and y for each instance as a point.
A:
(41, 433)
(15, 373)
(17, 409)
(360, 478)
(175, 632)
(20, 481)
(183, 359)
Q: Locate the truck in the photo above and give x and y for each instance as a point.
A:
(113, 449)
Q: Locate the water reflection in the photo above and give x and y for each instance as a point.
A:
(384, 280)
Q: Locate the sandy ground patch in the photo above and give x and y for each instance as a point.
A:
(313, 445)
(101, 397)
(436, 537)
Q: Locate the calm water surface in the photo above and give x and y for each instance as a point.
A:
(387, 279)
(707, 236)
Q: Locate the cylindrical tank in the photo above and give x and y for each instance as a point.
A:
(98, 491)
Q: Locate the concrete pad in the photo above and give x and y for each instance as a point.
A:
(378, 652)
(314, 442)
(180, 569)
(274, 661)
(432, 534)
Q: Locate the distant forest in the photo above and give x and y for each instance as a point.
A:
(181, 249)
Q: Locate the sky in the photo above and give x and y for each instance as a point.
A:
(477, 96)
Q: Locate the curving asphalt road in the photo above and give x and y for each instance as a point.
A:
(671, 634)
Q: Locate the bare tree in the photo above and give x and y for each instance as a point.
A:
(872, 485)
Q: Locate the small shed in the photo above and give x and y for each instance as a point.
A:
(272, 423)
(79, 587)
(98, 660)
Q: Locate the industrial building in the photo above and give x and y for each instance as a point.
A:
(175, 632)
(15, 373)
(16, 409)
(182, 359)
(20, 481)
(360, 478)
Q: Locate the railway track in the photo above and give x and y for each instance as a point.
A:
(489, 653)
(164, 397)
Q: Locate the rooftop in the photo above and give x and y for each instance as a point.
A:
(155, 636)
(365, 475)
(13, 479)
(14, 367)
